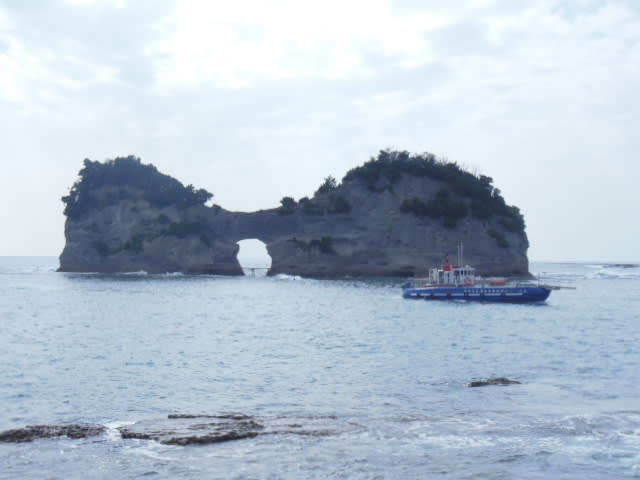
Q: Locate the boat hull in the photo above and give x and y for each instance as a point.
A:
(524, 294)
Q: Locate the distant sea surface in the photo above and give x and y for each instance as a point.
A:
(387, 377)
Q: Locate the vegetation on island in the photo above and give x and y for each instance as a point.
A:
(324, 244)
(336, 204)
(475, 194)
(310, 208)
(158, 189)
(287, 206)
(328, 185)
(441, 205)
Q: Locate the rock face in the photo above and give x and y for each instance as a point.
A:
(386, 218)
(132, 235)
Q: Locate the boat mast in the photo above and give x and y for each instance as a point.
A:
(460, 248)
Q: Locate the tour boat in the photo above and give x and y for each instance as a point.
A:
(458, 282)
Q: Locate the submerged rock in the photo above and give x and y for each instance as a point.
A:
(34, 432)
(493, 381)
(187, 429)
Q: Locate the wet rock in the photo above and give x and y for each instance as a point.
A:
(493, 381)
(188, 429)
(230, 416)
(34, 432)
(180, 429)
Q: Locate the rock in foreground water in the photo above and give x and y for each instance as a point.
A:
(493, 381)
(34, 432)
(205, 429)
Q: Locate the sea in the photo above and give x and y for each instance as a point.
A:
(369, 385)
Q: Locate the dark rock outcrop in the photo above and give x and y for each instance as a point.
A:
(396, 215)
(187, 429)
(493, 381)
(34, 432)
(192, 429)
(205, 429)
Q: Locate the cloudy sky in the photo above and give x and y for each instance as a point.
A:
(254, 100)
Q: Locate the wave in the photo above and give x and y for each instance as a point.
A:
(588, 271)
(284, 276)
(614, 272)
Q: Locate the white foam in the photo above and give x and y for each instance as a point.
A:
(284, 276)
(112, 432)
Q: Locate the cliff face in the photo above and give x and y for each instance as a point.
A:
(396, 224)
(132, 235)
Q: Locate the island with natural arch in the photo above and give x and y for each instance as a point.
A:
(396, 215)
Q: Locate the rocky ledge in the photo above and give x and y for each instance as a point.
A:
(396, 215)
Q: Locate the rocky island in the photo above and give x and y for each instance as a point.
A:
(396, 215)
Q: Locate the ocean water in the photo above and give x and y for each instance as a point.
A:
(378, 383)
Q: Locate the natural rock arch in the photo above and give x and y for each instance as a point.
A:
(394, 216)
(253, 257)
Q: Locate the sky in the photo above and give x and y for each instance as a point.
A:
(257, 100)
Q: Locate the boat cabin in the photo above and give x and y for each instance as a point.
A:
(452, 275)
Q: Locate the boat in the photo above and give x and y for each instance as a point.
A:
(458, 282)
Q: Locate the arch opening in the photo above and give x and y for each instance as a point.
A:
(253, 257)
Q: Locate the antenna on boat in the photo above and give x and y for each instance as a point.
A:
(460, 248)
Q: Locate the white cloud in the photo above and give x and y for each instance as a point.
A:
(37, 78)
(530, 93)
(237, 44)
(93, 3)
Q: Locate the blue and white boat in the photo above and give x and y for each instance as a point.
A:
(457, 282)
